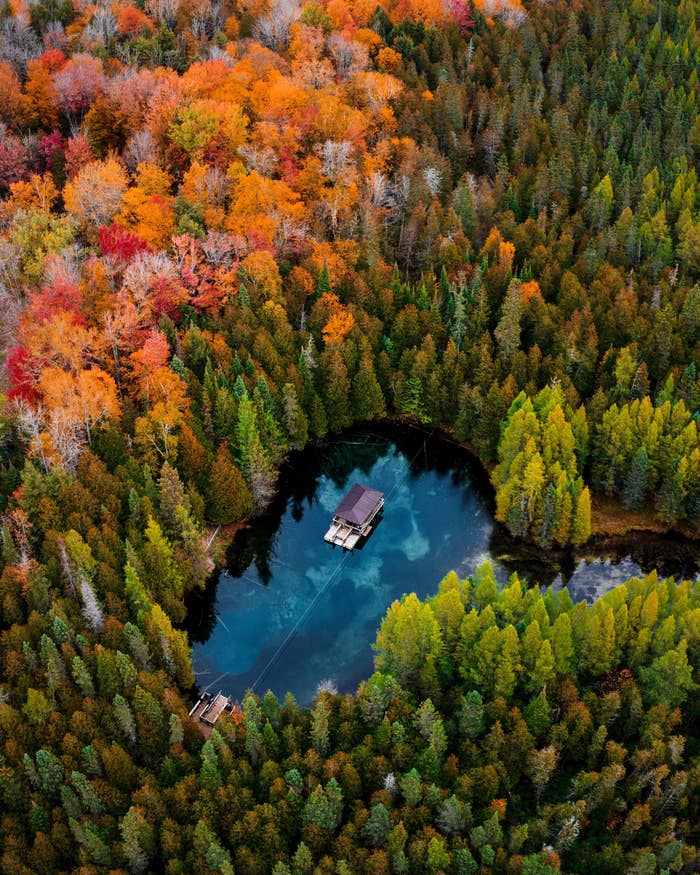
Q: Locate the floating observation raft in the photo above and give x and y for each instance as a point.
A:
(352, 519)
(209, 708)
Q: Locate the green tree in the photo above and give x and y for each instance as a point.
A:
(162, 575)
(319, 726)
(669, 678)
(228, 497)
(367, 397)
(294, 419)
(377, 827)
(409, 643)
(138, 838)
(636, 487)
(470, 716)
(337, 389)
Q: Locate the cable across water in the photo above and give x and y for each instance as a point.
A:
(323, 589)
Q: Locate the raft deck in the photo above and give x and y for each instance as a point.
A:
(353, 517)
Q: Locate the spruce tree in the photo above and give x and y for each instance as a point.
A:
(294, 419)
(636, 486)
(228, 497)
(367, 397)
(323, 284)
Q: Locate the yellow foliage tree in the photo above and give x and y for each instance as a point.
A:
(261, 277)
(84, 398)
(339, 320)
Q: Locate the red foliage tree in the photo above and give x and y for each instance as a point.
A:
(118, 241)
(20, 374)
(167, 297)
(59, 295)
(78, 154)
(14, 159)
(48, 146)
(52, 59)
(461, 11)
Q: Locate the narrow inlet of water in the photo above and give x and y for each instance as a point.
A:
(290, 611)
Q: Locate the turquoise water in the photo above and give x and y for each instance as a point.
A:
(292, 611)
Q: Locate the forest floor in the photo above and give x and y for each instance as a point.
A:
(610, 518)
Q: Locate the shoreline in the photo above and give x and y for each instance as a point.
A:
(614, 529)
(607, 514)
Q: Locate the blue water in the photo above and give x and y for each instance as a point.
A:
(293, 611)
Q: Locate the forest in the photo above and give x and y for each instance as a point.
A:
(231, 227)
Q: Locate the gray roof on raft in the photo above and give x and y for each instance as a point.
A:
(358, 504)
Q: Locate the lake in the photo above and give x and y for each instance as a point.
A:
(291, 611)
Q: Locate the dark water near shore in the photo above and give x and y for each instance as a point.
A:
(291, 611)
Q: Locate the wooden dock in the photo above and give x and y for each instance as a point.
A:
(209, 708)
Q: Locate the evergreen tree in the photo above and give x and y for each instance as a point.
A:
(377, 827)
(293, 418)
(367, 397)
(139, 842)
(637, 483)
(337, 389)
(229, 498)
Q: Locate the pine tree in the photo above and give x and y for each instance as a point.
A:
(82, 677)
(563, 645)
(336, 390)
(253, 727)
(246, 431)
(224, 413)
(37, 708)
(138, 838)
(471, 715)
(408, 641)
(636, 486)
(293, 418)
(228, 497)
(669, 679)
(377, 827)
(540, 768)
(171, 644)
(303, 860)
(324, 807)
(465, 864)
(367, 397)
(319, 726)
(261, 474)
(508, 330)
(464, 207)
(125, 717)
(669, 500)
(538, 715)
(410, 401)
(252, 457)
(171, 496)
(323, 283)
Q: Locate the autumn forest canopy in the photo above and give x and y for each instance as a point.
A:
(232, 227)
